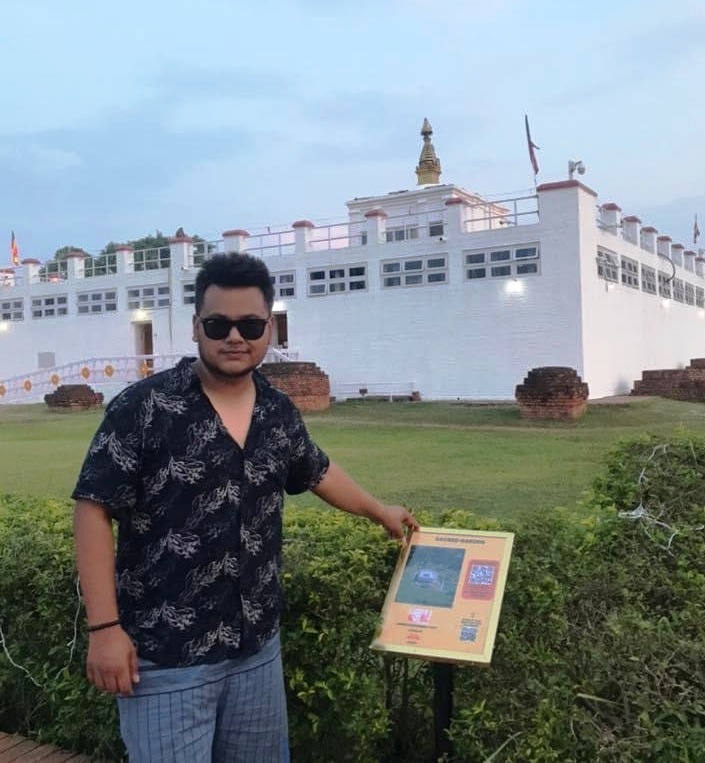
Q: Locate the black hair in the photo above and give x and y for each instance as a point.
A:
(234, 271)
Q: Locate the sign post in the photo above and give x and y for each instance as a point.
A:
(443, 605)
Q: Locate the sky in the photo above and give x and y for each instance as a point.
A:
(122, 118)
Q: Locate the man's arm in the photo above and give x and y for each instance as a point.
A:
(112, 657)
(339, 489)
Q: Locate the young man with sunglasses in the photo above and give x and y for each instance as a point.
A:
(192, 464)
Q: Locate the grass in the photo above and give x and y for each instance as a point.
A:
(425, 455)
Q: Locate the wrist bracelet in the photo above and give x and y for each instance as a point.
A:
(102, 626)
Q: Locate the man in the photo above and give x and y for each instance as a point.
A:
(192, 463)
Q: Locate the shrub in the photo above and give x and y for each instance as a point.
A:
(599, 654)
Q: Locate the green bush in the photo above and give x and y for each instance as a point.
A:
(599, 656)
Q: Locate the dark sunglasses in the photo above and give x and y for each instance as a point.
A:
(220, 328)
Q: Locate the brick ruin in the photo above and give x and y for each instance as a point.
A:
(305, 383)
(552, 392)
(74, 397)
(676, 383)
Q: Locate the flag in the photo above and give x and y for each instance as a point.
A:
(696, 231)
(14, 250)
(532, 147)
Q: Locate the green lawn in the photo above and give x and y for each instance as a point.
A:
(432, 455)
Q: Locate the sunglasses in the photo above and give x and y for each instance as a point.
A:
(220, 328)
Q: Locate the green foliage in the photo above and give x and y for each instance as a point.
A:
(64, 251)
(599, 654)
(38, 608)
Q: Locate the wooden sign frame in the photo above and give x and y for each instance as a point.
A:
(445, 597)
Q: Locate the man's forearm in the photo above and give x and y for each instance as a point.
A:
(339, 489)
(95, 560)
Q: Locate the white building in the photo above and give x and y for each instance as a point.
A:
(432, 289)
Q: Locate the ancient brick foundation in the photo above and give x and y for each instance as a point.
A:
(552, 392)
(74, 397)
(305, 383)
(676, 383)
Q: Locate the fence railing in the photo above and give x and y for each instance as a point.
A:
(113, 371)
(370, 389)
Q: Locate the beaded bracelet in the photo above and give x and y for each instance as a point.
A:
(102, 626)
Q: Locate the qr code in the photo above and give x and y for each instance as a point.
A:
(482, 574)
(468, 633)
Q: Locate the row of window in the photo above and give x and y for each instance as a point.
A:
(642, 277)
(411, 271)
(87, 303)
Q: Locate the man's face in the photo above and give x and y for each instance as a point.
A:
(232, 356)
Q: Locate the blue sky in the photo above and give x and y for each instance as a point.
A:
(120, 118)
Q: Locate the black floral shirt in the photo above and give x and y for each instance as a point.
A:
(199, 518)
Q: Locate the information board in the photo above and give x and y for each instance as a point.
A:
(445, 596)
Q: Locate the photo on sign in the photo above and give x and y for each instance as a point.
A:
(430, 576)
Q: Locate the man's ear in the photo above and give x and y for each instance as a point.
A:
(194, 326)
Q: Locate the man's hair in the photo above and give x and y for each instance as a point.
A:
(234, 271)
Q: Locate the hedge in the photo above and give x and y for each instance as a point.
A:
(600, 653)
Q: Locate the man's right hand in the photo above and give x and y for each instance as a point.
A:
(112, 661)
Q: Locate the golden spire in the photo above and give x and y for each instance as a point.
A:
(429, 170)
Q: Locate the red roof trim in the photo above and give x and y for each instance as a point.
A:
(236, 232)
(562, 184)
(303, 224)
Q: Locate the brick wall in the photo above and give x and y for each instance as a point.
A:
(552, 392)
(305, 383)
(674, 383)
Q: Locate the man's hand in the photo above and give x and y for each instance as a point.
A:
(395, 518)
(112, 661)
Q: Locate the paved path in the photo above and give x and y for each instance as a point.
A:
(17, 749)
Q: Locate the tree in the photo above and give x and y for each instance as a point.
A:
(63, 253)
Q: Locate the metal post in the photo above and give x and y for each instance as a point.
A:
(442, 707)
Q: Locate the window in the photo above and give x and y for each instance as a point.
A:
(435, 228)
(189, 293)
(148, 297)
(678, 290)
(97, 302)
(699, 296)
(402, 233)
(522, 260)
(689, 294)
(151, 259)
(630, 272)
(284, 283)
(54, 271)
(417, 271)
(50, 307)
(664, 284)
(648, 279)
(337, 280)
(12, 310)
(607, 265)
(102, 265)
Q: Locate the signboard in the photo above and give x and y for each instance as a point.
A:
(445, 596)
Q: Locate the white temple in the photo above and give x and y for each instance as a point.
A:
(432, 289)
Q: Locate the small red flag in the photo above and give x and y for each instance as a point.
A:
(532, 147)
(14, 250)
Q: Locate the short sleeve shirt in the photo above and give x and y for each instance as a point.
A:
(198, 560)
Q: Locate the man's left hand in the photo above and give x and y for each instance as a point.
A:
(395, 519)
